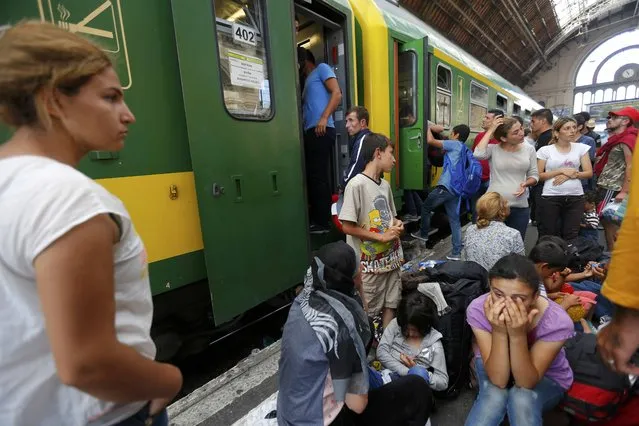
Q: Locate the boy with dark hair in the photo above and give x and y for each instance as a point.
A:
(368, 219)
(549, 256)
(443, 193)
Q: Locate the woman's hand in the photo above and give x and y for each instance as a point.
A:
(521, 191)
(560, 179)
(570, 172)
(495, 314)
(496, 123)
(407, 361)
(518, 319)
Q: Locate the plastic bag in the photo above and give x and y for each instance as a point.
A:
(615, 212)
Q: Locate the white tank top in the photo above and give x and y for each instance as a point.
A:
(40, 201)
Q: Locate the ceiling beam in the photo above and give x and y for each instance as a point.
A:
(514, 12)
(483, 33)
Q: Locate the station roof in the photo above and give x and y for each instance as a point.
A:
(516, 37)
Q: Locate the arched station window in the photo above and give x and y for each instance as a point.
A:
(609, 75)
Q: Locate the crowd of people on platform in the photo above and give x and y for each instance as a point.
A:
(536, 306)
(86, 352)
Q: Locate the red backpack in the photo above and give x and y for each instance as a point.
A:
(597, 393)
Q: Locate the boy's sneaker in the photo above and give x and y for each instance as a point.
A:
(418, 236)
(407, 218)
(453, 257)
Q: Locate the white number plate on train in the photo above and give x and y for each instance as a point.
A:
(244, 34)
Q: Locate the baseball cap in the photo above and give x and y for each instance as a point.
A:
(629, 112)
(591, 123)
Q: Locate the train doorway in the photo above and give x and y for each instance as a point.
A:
(325, 32)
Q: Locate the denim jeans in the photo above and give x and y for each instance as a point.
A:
(590, 233)
(438, 196)
(604, 306)
(523, 406)
(140, 418)
(483, 187)
(518, 219)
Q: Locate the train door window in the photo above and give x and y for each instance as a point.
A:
(241, 38)
(444, 94)
(502, 102)
(478, 105)
(516, 109)
(407, 77)
(527, 116)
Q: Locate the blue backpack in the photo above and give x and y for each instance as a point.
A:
(465, 176)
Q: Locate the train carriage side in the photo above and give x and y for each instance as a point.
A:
(212, 172)
(432, 79)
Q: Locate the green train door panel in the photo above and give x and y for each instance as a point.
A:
(413, 98)
(239, 81)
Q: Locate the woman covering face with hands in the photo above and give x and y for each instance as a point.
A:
(521, 366)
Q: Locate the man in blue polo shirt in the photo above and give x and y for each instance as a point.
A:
(321, 97)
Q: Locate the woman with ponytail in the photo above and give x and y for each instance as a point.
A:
(562, 199)
(490, 239)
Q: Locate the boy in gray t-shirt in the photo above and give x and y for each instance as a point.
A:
(369, 220)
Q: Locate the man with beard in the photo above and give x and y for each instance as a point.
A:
(614, 163)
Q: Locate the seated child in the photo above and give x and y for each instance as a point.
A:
(519, 356)
(576, 303)
(589, 227)
(410, 345)
(549, 257)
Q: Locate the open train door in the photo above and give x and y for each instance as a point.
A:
(412, 88)
(238, 71)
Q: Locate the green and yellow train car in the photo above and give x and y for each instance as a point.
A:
(213, 172)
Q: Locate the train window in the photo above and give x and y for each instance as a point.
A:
(478, 104)
(407, 95)
(241, 27)
(444, 93)
(443, 78)
(516, 109)
(502, 102)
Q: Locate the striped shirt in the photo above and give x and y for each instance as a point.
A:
(590, 219)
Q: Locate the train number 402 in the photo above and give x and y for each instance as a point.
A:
(244, 34)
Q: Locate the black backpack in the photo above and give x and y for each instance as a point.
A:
(581, 251)
(461, 283)
(597, 392)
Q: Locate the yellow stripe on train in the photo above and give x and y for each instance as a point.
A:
(164, 211)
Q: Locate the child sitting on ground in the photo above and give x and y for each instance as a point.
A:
(589, 227)
(576, 303)
(549, 257)
(410, 344)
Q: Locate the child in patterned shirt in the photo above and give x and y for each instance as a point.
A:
(590, 220)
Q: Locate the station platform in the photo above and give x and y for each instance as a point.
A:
(246, 394)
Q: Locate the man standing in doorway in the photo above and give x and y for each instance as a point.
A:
(485, 166)
(541, 127)
(357, 127)
(320, 99)
(614, 163)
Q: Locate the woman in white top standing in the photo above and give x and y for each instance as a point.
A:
(75, 346)
(562, 199)
(513, 168)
